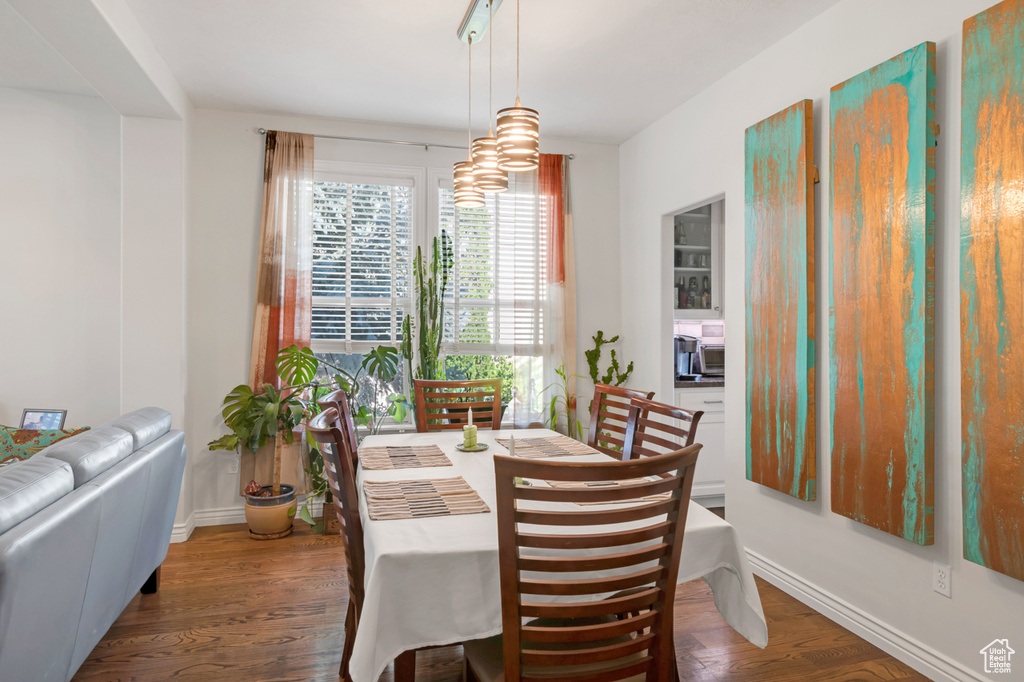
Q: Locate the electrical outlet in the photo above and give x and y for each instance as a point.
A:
(941, 579)
(233, 464)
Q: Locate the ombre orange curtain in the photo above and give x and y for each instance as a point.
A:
(284, 270)
(284, 288)
(555, 206)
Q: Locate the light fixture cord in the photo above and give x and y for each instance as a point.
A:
(517, 50)
(469, 116)
(490, 71)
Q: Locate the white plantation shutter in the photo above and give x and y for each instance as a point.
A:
(362, 254)
(497, 299)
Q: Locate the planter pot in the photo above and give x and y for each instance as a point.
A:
(271, 517)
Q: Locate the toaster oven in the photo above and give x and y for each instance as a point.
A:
(712, 359)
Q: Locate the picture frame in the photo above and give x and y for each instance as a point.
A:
(40, 419)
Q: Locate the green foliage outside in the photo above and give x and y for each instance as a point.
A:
(474, 367)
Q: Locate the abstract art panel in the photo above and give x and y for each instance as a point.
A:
(882, 305)
(992, 287)
(780, 301)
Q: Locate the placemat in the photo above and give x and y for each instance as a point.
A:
(388, 500)
(403, 457)
(579, 485)
(548, 446)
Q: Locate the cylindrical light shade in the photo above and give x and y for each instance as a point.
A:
(466, 193)
(518, 138)
(487, 176)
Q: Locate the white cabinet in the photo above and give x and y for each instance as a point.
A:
(709, 481)
(696, 263)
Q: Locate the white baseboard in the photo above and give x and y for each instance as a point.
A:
(222, 517)
(896, 643)
(709, 494)
(182, 531)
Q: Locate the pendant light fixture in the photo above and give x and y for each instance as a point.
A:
(518, 129)
(487, 176)
(467, 194)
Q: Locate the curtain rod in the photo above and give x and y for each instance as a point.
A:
(426, 145)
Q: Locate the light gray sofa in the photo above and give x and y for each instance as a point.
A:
(84, 524)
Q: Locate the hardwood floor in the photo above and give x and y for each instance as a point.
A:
(231, 608)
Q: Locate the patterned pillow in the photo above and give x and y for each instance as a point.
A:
(19, 444)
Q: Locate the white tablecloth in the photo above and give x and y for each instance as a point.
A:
(435, 580)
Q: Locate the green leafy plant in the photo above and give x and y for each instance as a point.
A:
(421, 340)
(255, 418)
(612, 376)
(563, 403)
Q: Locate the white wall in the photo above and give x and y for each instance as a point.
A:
(873, 582)
(60, 236)
(226, 184)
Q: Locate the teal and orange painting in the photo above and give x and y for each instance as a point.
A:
(881, 302)
(992, 288)
(780, 301)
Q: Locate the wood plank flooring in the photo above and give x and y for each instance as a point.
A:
(230, 608)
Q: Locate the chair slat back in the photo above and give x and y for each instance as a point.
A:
(656, 428)
(327, 429)
(444, 405)
(609, 416)
(339, 400)
(554, 541)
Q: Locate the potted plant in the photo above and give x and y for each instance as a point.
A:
(257, 418)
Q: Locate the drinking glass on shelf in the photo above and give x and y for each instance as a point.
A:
(703, 260)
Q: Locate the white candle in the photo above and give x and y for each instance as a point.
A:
(511, 445)
(471, 416)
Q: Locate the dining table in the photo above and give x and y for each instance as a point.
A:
(435, 581)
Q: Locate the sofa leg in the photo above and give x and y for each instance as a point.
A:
(152, 583)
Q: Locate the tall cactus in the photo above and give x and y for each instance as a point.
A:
(429, 313)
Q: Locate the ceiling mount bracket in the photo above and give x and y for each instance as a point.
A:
(477, 19)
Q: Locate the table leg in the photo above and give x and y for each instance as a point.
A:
(405, 667)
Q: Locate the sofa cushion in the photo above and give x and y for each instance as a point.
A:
(29, 486)
(93, 452)
(19, 444)
(145, 424)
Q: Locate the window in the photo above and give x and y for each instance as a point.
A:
(363, 241)
(496, 304)
(362, 255)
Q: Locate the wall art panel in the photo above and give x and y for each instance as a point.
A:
(881, 323)
(780, 301)
(992, 287)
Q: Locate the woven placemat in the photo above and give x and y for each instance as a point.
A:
(389, 500)
(548, 446)
(591, 485)
(403, 457)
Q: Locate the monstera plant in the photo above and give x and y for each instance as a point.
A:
(273, 414)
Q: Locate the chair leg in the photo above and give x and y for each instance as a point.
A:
(350, 640)
(405, 667)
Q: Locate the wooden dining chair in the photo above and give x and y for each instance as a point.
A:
(655, 428)
(567, 552)
(442, 405)
(339, 400)
(609, 415)
(327, 429)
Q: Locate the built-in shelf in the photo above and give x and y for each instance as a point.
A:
(693, 269)
(690, 247)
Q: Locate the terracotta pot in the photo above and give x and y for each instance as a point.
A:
(271, 517)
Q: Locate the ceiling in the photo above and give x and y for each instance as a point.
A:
(597, 70)
(27, 61)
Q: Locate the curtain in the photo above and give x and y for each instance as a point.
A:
(536, 379)
(284, 286)
(284, 270)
